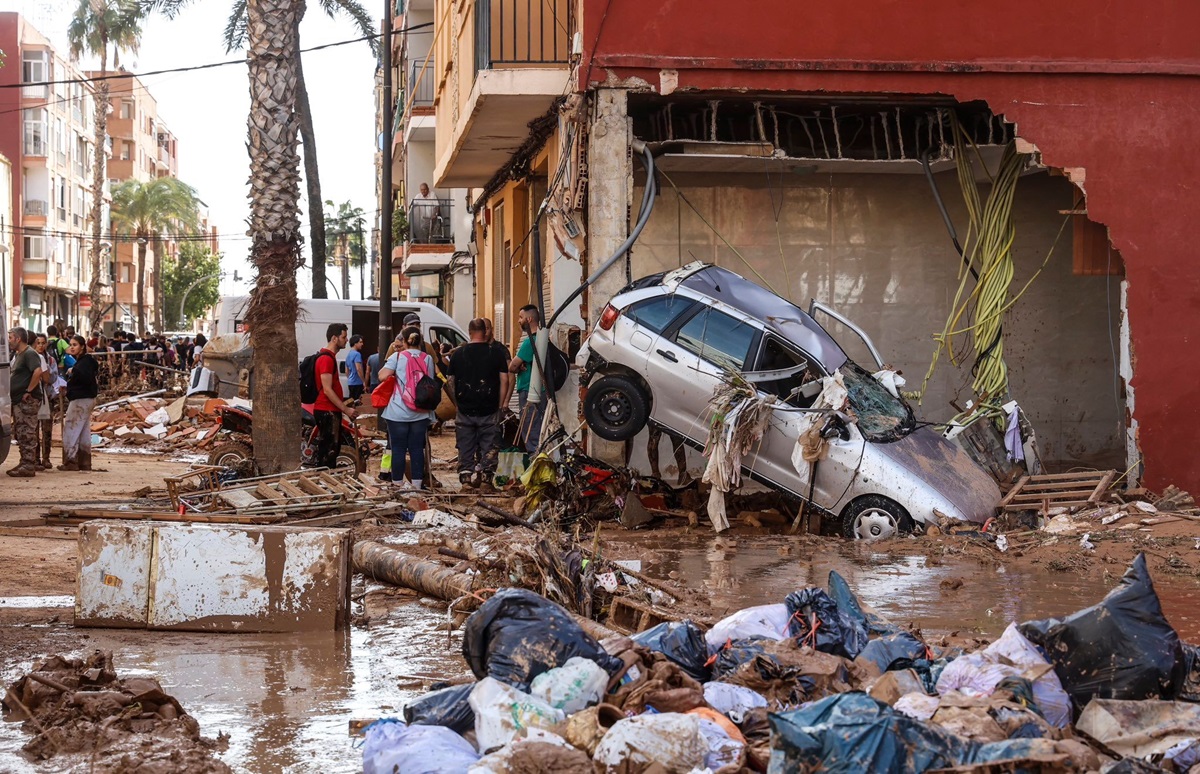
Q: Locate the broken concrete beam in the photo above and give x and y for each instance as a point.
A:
(210, 577)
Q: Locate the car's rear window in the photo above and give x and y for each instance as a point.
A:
(659, 312)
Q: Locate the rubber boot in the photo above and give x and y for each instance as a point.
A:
(69, 464)
(84, 459)
(22, 471)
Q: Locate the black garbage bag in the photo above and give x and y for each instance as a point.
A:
(1121, 648)
(447, 707)
(683, 643)
(733, 654)
(894, 651)
(816, 620)
(516, 635)
(853, 732)
(1190, 690)
(850, 607)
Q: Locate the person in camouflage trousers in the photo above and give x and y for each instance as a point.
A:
(25, 389)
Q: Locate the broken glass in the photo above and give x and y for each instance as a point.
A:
(881, 415)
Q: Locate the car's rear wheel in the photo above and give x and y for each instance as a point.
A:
(616, 407)
(874, 517)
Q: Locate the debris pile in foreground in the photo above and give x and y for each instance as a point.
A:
(815, 682)
(81, 707)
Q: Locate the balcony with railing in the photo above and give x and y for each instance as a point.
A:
(35, 140)
(430, 243)
(519, 64)
(420, 84)
(36, 208)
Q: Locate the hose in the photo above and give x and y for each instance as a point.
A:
(990, 236)
(647, 207)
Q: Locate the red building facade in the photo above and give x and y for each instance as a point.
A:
(1108, 92)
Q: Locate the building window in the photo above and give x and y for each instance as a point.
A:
(35, 68)
(127, 109)
(126, 150)
(35, 132)
(35, 248)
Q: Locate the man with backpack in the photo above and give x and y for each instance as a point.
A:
(475, 371)
(320, 385)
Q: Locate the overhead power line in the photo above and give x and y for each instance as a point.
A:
(208, 66)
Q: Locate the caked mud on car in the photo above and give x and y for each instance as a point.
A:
(666, 342)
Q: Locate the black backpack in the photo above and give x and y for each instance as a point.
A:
(309, 389)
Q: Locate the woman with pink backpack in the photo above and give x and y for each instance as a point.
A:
(408, 412)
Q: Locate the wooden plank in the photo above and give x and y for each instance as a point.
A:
(1074, 494)
(239, 498)
(265, 492)
(41, 532)
(87, 514)
(1102, 487)
(291, 490)
(1036, 506)
(1014, 491)
(310, 486)
(1079, 476)
(1056, 486)
(334, 484)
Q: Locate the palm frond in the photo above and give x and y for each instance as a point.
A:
(236, 30)
(357, 13)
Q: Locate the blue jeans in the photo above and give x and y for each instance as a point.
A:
(408, 438)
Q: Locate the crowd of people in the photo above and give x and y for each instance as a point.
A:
(478, 378)
(51, 376)
(57, 375)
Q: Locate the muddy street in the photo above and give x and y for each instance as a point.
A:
(286, 701)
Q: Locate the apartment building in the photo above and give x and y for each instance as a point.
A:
(502, 92)
(143, 148)
(8, 283)
(48, 138)
(433, 261)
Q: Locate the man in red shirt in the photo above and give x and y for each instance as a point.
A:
(330, 403)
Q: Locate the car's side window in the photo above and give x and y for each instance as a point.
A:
(718, 338)
(448, 336)
(777, 356)
(659, 312)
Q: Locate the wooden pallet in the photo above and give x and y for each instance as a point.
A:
(1058, 490)
(300, 491)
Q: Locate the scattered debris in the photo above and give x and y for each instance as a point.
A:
(81, 706)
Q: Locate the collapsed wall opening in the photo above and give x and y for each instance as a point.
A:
(808, 197)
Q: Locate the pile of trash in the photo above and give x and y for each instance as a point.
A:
(157, 424)
(80, 707)
(814, 682)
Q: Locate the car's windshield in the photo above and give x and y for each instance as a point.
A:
(881, 415)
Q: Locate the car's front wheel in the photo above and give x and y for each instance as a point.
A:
(874, 517)
(616, 407)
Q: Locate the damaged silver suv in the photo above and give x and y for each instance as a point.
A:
(667, 342)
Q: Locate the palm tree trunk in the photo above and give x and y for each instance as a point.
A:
(272, 58)
(98, 138)
(316, 213)
(141, 282)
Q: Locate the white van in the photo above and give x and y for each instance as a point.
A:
(362, 316)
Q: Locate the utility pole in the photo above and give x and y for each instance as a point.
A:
(362, 261)
(385, 205)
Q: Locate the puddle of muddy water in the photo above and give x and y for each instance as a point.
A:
(30, 603)
(740, 572)
(284, 700)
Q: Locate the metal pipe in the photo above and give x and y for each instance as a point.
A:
(648, 196)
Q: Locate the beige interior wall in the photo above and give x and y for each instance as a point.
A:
(875, 247)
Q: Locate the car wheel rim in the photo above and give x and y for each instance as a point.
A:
(229, 460)
(875, 524)
(615, 408)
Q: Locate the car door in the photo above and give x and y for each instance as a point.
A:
(774, 458)
(688, 361)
